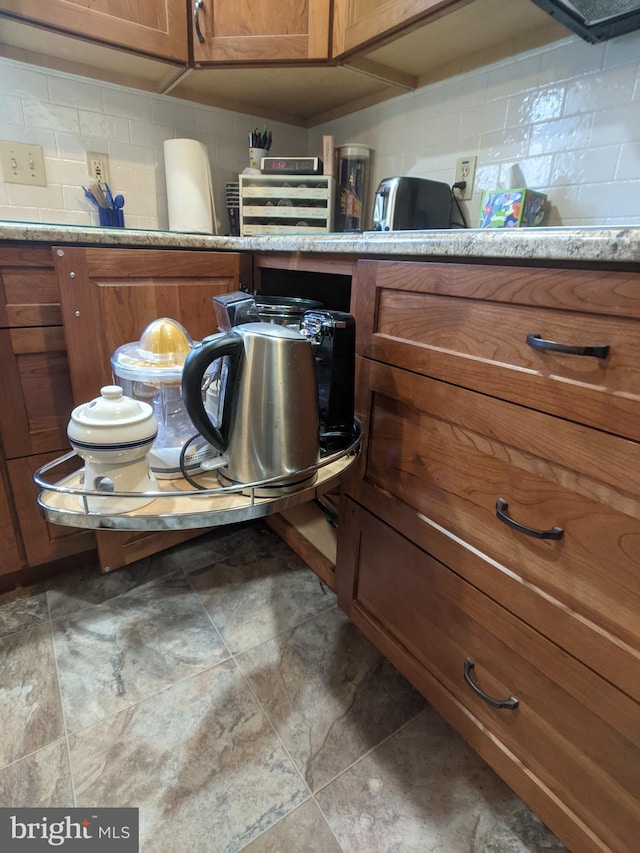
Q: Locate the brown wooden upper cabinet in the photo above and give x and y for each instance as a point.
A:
(260, 30)
(158, 28)
(358, 22)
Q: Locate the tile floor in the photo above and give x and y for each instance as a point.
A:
(218, 688)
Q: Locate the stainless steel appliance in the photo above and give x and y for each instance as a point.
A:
(269, 422)
(405, 204)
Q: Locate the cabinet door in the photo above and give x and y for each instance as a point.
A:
(158, 29)
(108, 296)
(10, 555)
(253, 30)
(43, 542)
(358, 22)
(35, 393)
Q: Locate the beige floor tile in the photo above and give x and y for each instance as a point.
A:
(29, 699)
(425, 791)
(22, 607)
(111, 656)
(329, 693)
(303, 831)
(39, 780)
(200, 760)
(257, 595)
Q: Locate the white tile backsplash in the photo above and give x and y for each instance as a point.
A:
(69, 116)
(564, 117)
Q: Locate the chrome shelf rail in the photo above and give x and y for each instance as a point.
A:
(180, 506)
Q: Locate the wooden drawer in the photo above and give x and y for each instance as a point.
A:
(43, 542)
(469, 325)
(35, 396)
(29, 292)
(573, 731)
(451, 454)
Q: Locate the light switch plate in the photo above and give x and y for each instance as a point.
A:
(22, 163)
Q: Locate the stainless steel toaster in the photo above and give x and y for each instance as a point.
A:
(408, 204)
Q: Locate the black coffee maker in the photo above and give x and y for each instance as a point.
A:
(333, 337)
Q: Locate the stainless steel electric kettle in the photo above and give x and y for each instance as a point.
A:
(269, 422)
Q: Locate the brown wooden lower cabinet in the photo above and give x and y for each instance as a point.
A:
(11, 558)
(43, 542)
(570, 747)
(63, 312)
(488, 540)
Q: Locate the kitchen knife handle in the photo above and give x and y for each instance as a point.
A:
(196, 20)
(597, 351)
(511, 703)
(501, 513)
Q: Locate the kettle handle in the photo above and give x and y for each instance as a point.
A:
(195, 365)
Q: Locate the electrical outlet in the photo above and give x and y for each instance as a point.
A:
(98, 165)
(466, 171)
(23, 163)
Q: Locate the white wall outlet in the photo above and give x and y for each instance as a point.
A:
(98, 166)
(23, 163)
(466, 171)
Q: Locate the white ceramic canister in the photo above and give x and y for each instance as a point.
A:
(113, 434)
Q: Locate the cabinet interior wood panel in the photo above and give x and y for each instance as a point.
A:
(117, 548)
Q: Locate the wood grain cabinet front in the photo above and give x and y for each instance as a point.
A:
(108, 296)
(543, 718)
(260, 30)
(358, 22)
(495, 518)
(35, 402)
(158, 29)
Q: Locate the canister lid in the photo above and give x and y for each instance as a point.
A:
(354, 149)
(112, 408)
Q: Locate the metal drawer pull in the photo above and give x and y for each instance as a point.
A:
(511, 703)
(501, 512)
(196, 19)
(598, 351)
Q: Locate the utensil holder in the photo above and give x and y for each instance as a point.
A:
(111, 217)
(256, 155)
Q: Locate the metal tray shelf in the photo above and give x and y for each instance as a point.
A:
(179, 506)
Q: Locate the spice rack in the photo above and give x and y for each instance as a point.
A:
(286, 204)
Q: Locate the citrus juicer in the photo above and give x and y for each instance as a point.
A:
(150, 370)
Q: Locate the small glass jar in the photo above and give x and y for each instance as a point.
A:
(353, 179)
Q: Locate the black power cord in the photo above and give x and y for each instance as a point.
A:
(460, 185)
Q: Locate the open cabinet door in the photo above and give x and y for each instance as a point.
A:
(108, 296)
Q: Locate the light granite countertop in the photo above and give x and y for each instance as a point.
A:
(579, 245)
